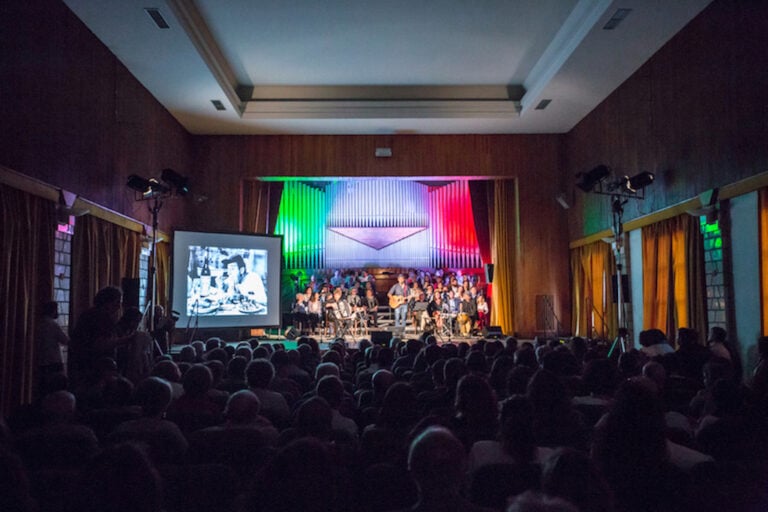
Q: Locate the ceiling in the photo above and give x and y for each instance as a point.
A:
(382, 67)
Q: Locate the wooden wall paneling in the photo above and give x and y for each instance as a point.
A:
(694, 114)
(74, 117)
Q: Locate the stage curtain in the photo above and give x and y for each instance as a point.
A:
(163, 273)
(763, 219)
(260, 205)
(480, 194)
(673, 276)
(102, 254)
(26, 280)
(504, 244)
(594, 310)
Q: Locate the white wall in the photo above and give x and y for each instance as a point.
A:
(745, 255)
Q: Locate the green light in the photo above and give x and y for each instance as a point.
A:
(301, 221)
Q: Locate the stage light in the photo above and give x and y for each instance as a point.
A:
(640, 181)
(156, 188)
(138, 184)
(177, 182)
(589, 180)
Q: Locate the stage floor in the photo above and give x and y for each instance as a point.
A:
(351, 341)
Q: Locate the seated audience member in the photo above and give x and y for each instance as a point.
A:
(169, 372)
(570, 474)
(516, 442)
(274, 407)
(301, 477)
(721, 348)
(437, 463)
(118, 407)
(195, 409)
(60, 443)
(234, 380)
(476, 408)
(654, 343)
(599, 381)
(691, 355)
(331, 389)
(120, 479)
(630, 450)
(164, 439)
(242, 442)
(385, 441)
(556, 421)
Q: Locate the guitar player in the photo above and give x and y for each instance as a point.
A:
(398, 300)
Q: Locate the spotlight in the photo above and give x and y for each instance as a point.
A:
(177, 182)
(589, 180)
(639, 181)
(138, 184)
(156, 188)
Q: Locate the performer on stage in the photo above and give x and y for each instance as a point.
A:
(482, 311)
(315, 310)
(467, 314)
(372, 307)
(398, 298)
(300, 312)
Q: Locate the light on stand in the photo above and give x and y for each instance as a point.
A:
(621, 191)
(151, 189)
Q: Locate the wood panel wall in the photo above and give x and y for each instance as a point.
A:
(73, 116)
(535, 160)
(696, 114)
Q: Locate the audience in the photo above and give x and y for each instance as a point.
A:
(416, 425)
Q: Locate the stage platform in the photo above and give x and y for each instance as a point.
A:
(381, 336)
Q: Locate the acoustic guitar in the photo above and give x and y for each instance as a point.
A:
(396, 301)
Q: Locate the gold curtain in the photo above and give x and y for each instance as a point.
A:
(594, 311)
(26, 280)
(673, 276)
(102, 254)
(163, 273)
(763, 218)
(504, 244)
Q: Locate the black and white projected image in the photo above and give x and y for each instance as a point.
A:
(225, 281)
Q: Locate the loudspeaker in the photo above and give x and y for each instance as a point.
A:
(625, 294)
(380, 337)
(130, 286)
(489, 272)
(291, 333)
(492, 331)
(545, 313)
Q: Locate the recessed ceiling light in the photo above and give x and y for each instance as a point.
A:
(617, 18)
(157, 17)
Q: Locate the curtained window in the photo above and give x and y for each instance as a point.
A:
(102, 254)
(594, 312)
(673, 276)
(763, 214)
(26, 280)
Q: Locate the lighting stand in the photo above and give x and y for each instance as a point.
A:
(154, 209)
(617, 208)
